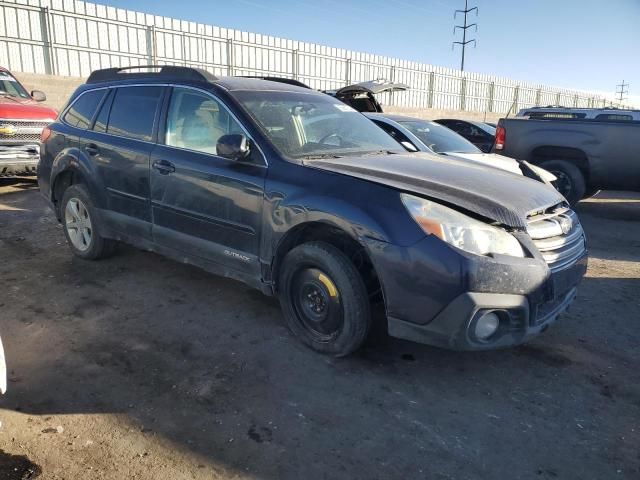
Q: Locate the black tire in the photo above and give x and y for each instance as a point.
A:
(97, 246)
(570, 183)
(324, 299)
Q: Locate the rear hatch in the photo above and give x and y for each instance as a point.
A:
(361, 96)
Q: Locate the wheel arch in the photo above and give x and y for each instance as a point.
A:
(338, 237)
(69, 169)
(572, 155)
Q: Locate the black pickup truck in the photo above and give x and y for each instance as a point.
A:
(586, 155)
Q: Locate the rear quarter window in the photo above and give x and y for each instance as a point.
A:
(133, 112)
(83, 109)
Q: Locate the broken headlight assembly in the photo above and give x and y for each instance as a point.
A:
(460, 230)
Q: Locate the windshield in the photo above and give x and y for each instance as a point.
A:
(303, 125)
(10, 86)
(485, 127)
(438, 138)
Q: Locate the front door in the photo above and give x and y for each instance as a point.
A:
(202, 204)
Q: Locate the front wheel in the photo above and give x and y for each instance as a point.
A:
(324, 299)
(570, 180)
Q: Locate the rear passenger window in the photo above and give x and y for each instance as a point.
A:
(83, 109)
(133, 112)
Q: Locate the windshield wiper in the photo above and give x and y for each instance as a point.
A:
(320, 155)
(378, 152)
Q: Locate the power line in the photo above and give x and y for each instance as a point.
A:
(622, 90)
(464, 28)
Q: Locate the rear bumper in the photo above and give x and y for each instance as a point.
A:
(19, 159)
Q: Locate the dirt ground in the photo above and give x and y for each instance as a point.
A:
(140, 367)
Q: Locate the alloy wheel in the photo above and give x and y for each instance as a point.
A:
(78, 224)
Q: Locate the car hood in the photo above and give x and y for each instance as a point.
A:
(24, 109)
(492, 193)
(505, 163)
(491, 159)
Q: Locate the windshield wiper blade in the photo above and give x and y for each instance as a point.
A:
(321, 155)
(379, 152)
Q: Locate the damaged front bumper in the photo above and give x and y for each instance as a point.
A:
(436, 295)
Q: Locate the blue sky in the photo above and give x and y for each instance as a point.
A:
(583, 44)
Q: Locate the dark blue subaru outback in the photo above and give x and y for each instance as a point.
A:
(297, 194)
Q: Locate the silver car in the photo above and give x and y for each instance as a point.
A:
(418, 135)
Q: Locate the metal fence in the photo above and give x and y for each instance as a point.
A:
(72, 38)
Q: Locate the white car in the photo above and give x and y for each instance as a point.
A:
(418, 135)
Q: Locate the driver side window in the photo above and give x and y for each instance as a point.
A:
(196, 121)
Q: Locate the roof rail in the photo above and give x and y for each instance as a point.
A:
(288, 81)
(163, 71)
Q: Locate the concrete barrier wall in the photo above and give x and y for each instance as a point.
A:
(58, 89)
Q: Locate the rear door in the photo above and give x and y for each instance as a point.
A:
(203, 204)
(120, 145)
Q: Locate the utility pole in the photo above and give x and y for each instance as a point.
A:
(464, 28)
(624, 89)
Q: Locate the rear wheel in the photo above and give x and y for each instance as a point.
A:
(570, 180)
(324, 299)
(81, 226)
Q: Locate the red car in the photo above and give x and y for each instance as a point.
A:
(21, 122)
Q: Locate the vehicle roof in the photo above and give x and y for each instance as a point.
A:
(228, 83)
(558, 108)
(153, 74)
(244, 83)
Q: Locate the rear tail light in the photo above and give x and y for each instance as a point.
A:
(501, 136)
(45, 134)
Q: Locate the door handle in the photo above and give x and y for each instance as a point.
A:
(164, 167)
(92, 149)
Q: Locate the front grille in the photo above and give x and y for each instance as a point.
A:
(17, 132)
(558, 236)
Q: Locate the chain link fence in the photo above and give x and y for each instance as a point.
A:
(72, 38)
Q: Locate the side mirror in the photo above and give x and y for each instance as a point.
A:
(233, 146)
(38, 96)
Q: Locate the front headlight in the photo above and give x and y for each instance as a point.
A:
(460, 230)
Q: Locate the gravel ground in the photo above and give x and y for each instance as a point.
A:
(140, 367)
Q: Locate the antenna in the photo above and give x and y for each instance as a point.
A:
(464, 28)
